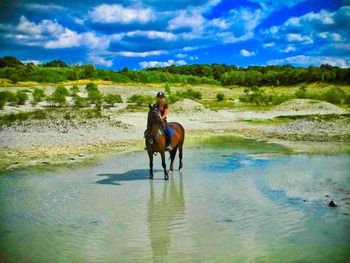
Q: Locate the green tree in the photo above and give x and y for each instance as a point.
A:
(89, 71)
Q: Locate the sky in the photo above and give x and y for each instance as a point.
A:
(156, 33)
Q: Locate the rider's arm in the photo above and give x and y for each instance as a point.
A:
(165, 114)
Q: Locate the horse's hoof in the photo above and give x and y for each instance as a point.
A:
(150, 176)
(166, 177)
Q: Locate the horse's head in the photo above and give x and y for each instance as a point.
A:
(154, 116)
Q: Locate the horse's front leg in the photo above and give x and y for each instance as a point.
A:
(166, 176)
(150, 155)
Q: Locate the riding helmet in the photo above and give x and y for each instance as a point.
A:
(160, 94)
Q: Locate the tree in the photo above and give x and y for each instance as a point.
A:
(9, 61)
(89, 71)
(56, 63)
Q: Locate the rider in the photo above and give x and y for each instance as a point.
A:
(164, 110)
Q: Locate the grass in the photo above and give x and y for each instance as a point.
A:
(50, 113)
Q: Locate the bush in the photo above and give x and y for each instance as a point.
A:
(220, 96)
(79, 102)
(74, 90)
(167, 89)
(91, 86)
(189, 94)
(59, 96)
(141, 99)
(3, 99)
(173, 98)
(38, 95)
(22, 97)
(255, 95)
(113, 98)
(334, 95)
(302, 92)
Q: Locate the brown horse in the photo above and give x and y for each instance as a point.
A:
(155, 140)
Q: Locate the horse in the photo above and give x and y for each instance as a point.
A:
(155, 140)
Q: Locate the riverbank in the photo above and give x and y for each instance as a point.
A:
(72, 137)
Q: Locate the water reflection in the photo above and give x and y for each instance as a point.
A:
(166, 211)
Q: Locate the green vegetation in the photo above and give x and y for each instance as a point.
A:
(111, 99)
(22, 97)
(59, 96)
(79, 102)
(74, 90)
(141, 100)
(220, 96)
(94, 95)
(189, 93)
(38, 96)
(215, 74)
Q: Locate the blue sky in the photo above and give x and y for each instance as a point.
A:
(141, 34)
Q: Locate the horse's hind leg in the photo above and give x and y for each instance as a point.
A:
(172, 158)
(180, 156)
(166, 177)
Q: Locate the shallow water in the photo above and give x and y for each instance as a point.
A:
(234, 201)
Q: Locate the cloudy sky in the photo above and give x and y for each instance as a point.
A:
(140, 34)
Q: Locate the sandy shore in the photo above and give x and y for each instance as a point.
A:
(70, 139)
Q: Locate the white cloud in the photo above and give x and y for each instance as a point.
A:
(66, 39)
(330, 36)
(311, 27)
(140, 54)
(185, 19)
(270, 44)
(99, 60)
(79, 21)
(246, 53)
(153, 64)
(180, 55)
(46, 7)
(288, 49)
(299, 38)
(35, 62)
(116, 13)
(312, 60)
(153, 35)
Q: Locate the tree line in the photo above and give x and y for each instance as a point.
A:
(216, 74)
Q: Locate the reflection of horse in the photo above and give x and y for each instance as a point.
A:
(162, 210)
(155, 140)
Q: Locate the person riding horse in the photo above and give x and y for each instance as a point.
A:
(164, 110)
(156, 142)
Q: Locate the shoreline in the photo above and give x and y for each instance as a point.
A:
(52, 157)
